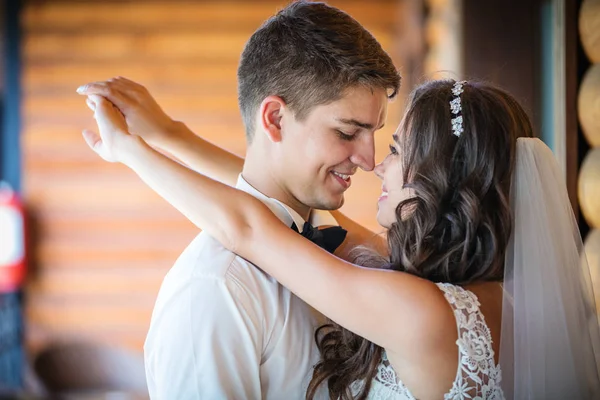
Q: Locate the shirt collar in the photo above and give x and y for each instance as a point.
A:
(282, 211)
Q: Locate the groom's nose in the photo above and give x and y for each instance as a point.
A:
(363, 154)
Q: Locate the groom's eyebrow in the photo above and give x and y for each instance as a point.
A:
(352, 121)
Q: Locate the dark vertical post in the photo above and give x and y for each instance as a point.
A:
(11, 320)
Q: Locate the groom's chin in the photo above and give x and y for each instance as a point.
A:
(329, 203)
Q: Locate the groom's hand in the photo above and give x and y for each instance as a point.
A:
(113, 142)
(143, 115)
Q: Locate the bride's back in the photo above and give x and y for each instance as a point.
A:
(437, 364)
(490, 299)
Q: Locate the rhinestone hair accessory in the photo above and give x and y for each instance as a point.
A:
(456, 108)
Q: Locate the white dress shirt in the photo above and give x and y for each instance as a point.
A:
(223, 329)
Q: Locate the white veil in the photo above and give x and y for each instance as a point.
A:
(550, 336)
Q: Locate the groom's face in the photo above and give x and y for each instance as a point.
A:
(325, 149)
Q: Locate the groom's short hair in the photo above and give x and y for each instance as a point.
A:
(309, 54)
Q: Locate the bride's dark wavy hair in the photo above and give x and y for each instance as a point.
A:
(456, 226)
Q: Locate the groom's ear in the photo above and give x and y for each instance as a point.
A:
(271, 112)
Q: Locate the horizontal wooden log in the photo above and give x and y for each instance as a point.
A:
(107, 281)
(189, 46)
(163, 15)
(122, 312)
(158, 77)
(38, 336)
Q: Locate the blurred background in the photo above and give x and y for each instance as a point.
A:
(84, 244)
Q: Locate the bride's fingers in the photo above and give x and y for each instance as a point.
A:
(90, 104)
(96, 99)
(92, 101)
(105, 107)
(93, 140)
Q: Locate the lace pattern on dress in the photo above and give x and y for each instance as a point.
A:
(478, 377)
(385, 385)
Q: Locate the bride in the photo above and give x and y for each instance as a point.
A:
(481, 294)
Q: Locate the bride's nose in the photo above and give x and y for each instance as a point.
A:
(379, 170)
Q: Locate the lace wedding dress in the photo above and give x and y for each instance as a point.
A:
(478, 376)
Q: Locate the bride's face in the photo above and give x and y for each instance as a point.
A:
(391, 173)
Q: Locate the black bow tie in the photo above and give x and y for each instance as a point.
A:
(328, 238)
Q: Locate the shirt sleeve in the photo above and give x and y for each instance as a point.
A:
(206, 343)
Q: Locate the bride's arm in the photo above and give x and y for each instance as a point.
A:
(201, 155)
(358, 235)
(376, 304)
(145, 118)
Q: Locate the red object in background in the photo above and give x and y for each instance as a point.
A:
(12, 240)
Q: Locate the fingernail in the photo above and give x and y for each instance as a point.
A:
(81, 89)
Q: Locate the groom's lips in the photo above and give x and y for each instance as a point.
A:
(344, 183)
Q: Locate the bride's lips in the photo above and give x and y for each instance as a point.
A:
(383, 195)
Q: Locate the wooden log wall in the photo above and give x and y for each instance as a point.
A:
(103, 241)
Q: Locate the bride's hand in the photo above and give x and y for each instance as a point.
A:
(143, 114)
(111, 141)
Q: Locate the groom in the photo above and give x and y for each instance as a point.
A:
(313, 87)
